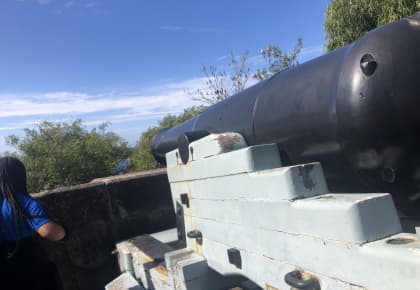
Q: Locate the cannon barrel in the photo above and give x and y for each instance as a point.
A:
(356, 110)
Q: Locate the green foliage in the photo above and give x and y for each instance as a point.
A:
(276, 60)
(142, 158)
(347, 20)
(63, 154)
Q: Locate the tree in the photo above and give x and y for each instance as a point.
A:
(276, 60)
(63, 154)
(347, 20)
(219, 84)
(142, 159)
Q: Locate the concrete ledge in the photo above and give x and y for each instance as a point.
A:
(98, 215)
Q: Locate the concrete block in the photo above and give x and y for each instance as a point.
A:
(124, 282)
(284, 183)
(168, 236)
(190, 271)
(213, 144)
(355, 218)
(148, 261)
(249, 159)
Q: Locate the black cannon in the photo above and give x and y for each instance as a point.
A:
(356, 110)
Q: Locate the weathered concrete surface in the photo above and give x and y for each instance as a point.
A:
(124, 281)
(98, 215)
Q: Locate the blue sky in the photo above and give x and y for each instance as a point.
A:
(128, 61)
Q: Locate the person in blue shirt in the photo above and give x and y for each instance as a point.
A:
(24, 264)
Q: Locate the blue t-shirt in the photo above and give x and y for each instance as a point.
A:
(35, 213)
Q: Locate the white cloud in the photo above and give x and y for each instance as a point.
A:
(116, 108)
(132, 110)
(16, 125)
(74, 103)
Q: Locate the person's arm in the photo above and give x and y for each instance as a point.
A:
(40, 222)
(51, 231)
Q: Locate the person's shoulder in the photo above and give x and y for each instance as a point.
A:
(31, 205)
(25, 199)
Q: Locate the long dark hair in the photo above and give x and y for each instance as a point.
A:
(13, 181)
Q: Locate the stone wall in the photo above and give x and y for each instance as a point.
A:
(99, 214)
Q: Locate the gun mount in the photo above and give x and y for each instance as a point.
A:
(355, 110)
(257, 224)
